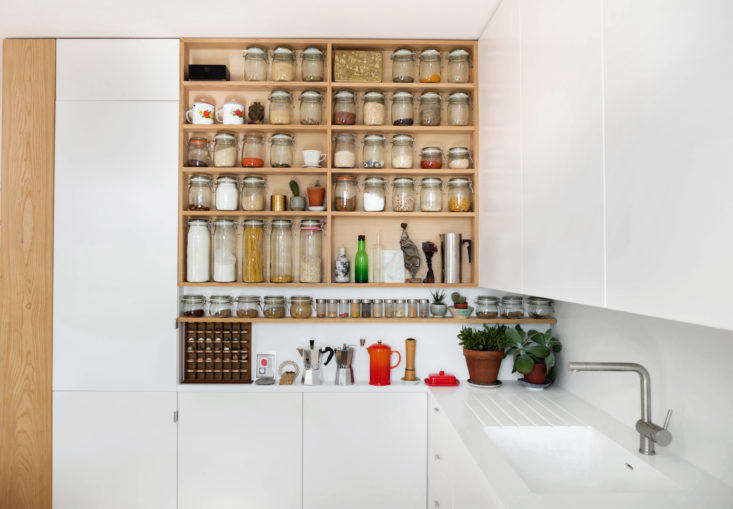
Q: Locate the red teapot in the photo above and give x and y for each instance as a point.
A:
(380, 356)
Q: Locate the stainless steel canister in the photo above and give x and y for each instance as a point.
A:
(450, 254)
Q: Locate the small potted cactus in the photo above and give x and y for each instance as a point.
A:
(438, 307)
(297, 202)
(460, 308)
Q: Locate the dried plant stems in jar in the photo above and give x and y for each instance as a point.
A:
(253, 259)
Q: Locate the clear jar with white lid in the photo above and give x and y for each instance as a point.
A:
(311, 249)
(403, 194)
(459, 158)
(220, 306)
(345, 151)
(199, 193)
(311, 64)
(373, 151)
(225, 251)
(281, 104)
(431, 194)
(374, 194)
(281, 150)
(458, 110)
(402, 151)
(255, 64)
(311, 107)
(226, 150)
(198, 251)
(227, 193)
(430, 66)
(344, 108)
(459, 194)
(281, 251)
(459, 66)
(253, 193)
(403, 65)
(430, 108)
(403, 109)
(374, 109)
(283, 64)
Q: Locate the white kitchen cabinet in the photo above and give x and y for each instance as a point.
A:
(364, 451)
(115, 450)
(240, 450)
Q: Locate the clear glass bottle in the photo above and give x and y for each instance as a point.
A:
(274, 306)
(431, 194)
(198, 152)
(281, 251)
(512, 306)
(193, 306)
(226, 150)
(378, 308)
(459, 158)
(332, 308)
(225, 251)
(458, 110)
(311, 250)
(388, 308)
(311, 64)
(431, 158)
(253, 257)
(255, 64)
(538, 307)
(412, 308)
(283, 64)
(366, 308)
(402, 151)
(423, 305)
(320, 308)
(403, 109)
(227, 193)
(344, 308)
(374, 194)
(487, 306)
(355, 308)
(344, 108)
(344, 193)
(198, 251)
(281, 104)
(281, 150)
(220, 306)
(400, 308)
(311, 107)
(430, 66)
(345, 151)
(301, 306)
(403, 194)
(247, 306)
(199, 193)
(374, 109)
(253, 193)
(459, 66)
(430, 105)
(459, 194)
(253, 151)
(373, 151)
(403, 65)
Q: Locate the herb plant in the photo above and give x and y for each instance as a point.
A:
(492, 339)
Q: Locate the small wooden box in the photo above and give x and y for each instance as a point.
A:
(357, 66)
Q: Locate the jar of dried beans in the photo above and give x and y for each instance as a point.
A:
(255, 64)
(193, 306)
(301, 306)
(280, 105)
(220, 306)
(430, 108)
(247, 306)
(283, 64)
(344, 193)
(198, 152)
(431, 158)
(431, 194)
(403, 66)
(253, 193)
(373, 151)
(344, 108)
(430, 66)
(403, 194)
(402, 150)
(281, 150)
(311, 64)
(253, 151)
(459, 66)
(458, 109)
(459, 158)
(199, 193)
(345, 151)
(403, 110)
(374, 110)
(311, 249)
(311, 107)
(274, 306)
(459, 194)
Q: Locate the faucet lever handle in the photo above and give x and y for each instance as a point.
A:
(667, 419)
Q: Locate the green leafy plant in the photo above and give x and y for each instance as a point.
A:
(485, 339)
(459, 301)
(533, 347)
(294, 188)
(438, 297)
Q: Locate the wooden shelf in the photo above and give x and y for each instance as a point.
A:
(254, 213)
(239, 284)
(254, 171)
(253, 85)
(545, 321)
(396, 171)
(409, 129)
(255, 127)
(417, 87)
(406, 215)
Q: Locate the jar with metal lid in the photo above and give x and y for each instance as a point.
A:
(459, 66)
(377, 308)
(198, 251)
(344, 193)
(459, 109)
(366, 308)
(538, 307)
(198, 152)
(281, 251)
(311, 249)
(247, 306)
(400, 308)
(344, 306)
(487, 306)
(253, 257)
(253, 193)
(301, 306)
(374, 194)
(431, 194)
(430, 66)
(311, 107)
(403, 65)
(344, 108)
(274, 306)
(459, 194)
(355, 308)
(253, 151)
(281, 150)
(459, 158)
(320, 308)
(374, 109)
(423, 305)
(199, 193)
(225, 251)
(373, 151)
(512, 306)
(431, 158)
(332, 308)
(412, 308)
(193, 306)
(283, 64)
(430, 104)
(311, 64)
(226, 150)
(402, 151)
(403, 109)
(403, 194)
(388, 308)
(345, 151)
(227, 193)
(281, 102)
(220, 306)
(255, 64)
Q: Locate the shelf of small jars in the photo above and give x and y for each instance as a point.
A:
(264, 170)
(335, 285)
(443, 129)
(387, 213)
(215, 86)
(254, 213)
(318, 128)
(410, 171)
(423, 87)
(547, 321)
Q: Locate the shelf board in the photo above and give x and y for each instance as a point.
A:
(253, 213)
(254, 171)
(546, 321)
(410, 171)
(213, 86)
(361, 213)
(409, 129)
(421, 87)
(239, 284)
(322, 128)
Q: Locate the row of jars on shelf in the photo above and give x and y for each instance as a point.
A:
(512, 307)
(283, 64)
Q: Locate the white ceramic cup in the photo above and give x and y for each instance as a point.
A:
(313, 158)
(231, 113)
(201, 113)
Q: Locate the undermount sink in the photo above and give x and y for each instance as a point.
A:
(554, 459)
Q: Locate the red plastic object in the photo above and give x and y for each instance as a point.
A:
(441, 380)
(380, 356)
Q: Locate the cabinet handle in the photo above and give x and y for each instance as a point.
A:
(436, 409)
(437, 457)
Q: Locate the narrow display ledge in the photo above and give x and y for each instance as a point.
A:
(208, 319)
(337, 285)
(263, 170)
(417, 129)
(254, 213)
(196, 86)
(359, 387)
(256, 127)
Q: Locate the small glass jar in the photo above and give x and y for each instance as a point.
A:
(345, 151)
(255, 64)
(403, 65)
(247, 306)
(538, 307)
(366, 308)
(459, 194)
(344, 193)
(281, 251)
(459, 109)
(281, 150)
(226, 150)
(198, 152)
(403, 109)
(459, 66)
(332, 308)
(412, 308)
(431, 194)
(430, 66)
(374, 109)
(253, 151)
(374, 194)
(344, 108)
(373, 151)
(431, 158)
(311, 64)
(311, 107)
(198, 251)
(220, 306)
(430, 108)
(388, 308)
(459, 158)
(512, 306)
(227, 193)
(193, 306)
(281, 103)
(423, 306)
(253, 258)
(487, 306)
(402, 151)
(301, 307)
(355, 308)
(274, 306)
(403, 194)
(225, 251)
(344, 306)
(377, 308)
(400, 308)
(311, 246)
(320, 308)
(199, 193)
(253, 193)
(283, 64)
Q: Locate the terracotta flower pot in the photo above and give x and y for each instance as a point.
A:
(315, 196)
(483, 367)
(538, 375)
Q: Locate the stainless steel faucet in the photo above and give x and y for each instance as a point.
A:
(649, 432)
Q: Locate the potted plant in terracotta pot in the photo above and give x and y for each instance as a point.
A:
(484, 350)
(438, 307)
(316, 194)
(534, 354)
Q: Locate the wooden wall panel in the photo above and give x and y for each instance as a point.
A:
(26, 272)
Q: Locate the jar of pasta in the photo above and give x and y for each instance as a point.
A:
(198, 152)
(374, 110)
(311, 249)
(253, 193)
(274, 306)
(344, 108)
(402, 150)
(431, 158)
(430, 108)
(459, 194)
(344, 193)
(301, 306)
(430, 66)
(403, 194)
(373, 152)
(283, 64)
(459, 158)
(281, 103)
(281, 251)
(374, 194)
(459, 66)
(311, 64)
(311, 107)
(199, 193)
(459, 109)
(255, 64)
(431, 194)
(403, 65)
(247, 306)
(281, 150)
(253, 151)
(226, 150)
(253, 256)
(345, 151)
(403, 110)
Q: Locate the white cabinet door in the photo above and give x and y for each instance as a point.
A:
(240, 450)
(115, 450)
(364, 451)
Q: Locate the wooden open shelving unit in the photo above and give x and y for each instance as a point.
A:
(474, 320)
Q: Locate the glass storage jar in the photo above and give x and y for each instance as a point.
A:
(430, 108)
(430, 66)
(344, 108)
(344, 306)
(247, 306)
(403, 194)
(431, 194)
(423, 305)
(311, 64)
(220, 306)
(301, 306)
(255, 64)
(431, 158)
(402, 150)
(281, 103)
(332, 308)
(373, 152)
(283, 64)
(193, 306)
(388, 308)
(274, 306)
(225, 251)
(198, 152)
(459, 194)
(403, 65)
(320, 308)
(459, 158)
(225, 150)
(198, 251)
(253, 193)
(512, 306)
(199, 193)
(311, 254)
(345, 151)
(311, 107)
(487, 306)
(459, 66)
(227, 193)
(374, 110)
(355, 308)
(412, 308)
(400, 308)
(403, 109)
(377, 308)
(366, 308)
(344, 193)
(253, 151)
(281, 251)
(253, 256)
(459, 109)
(281, 150)
(374, 194)
(538, 307)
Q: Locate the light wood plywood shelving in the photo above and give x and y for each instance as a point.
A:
(473, 320)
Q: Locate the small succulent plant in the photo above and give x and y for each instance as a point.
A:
(294, 188)
(459, 301)
(438, 297)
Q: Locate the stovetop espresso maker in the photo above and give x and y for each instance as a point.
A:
(312, 356)
(344, 360)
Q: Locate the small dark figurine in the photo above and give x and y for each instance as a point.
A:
(429, 248)
(410, 253)
(255, 113)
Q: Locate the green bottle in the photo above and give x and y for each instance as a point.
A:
(361, 262)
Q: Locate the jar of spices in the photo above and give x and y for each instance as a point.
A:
(345, 151)
(311, 245)
(301, 307)
(253, 258)
(400, 308)
(366, 308)
(199, 193)
(311, 64)
(430, 66)
(255, 64)
(403, 109)
(225, 251)
(247, 306)
(431, 158)
(402, 150)
(193, 306)
(374, 110)
(311, 107)
(320, 308)
(280, 104)
(423, 305)
(253, 151)
(459, 158)
(225, 150)
(344, 193)
(459, 194)
(459, 108)
(344, 108)
(227, 194)
(512, 306)
(430, 108)
(538, 307)
(220, 306)
(373, 151)
(459, 66)
(487, 306)
(431, 194)
(283, 64)
(332, 309)
(412, 308)
(403, 65)
(274, 306)
(198, 152)
(374, 194)
(377, 308)
(344, 306)
(403, 194)
(355, 308)
(281, 150)
(388, 308)
(253, 193)
(281, 251)
(198, 251)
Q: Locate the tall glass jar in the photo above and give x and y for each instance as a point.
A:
(255, 64)
(227, 193)
(403, 109)
(253, 151)
(378, 308)
(355, 308)
(373, 152)
(253, 257)
(301, 306)
(199, 193)
(374, 110)
(423, 306)
(253, 193)
(283, 64)
(459, 66)
(487, 306)
(458, 110)
(403, 65)
(311, 250)
(198, 251)
(512, 306)
(220, 306)
(538, 307)
(311, 64)
(281, 151)
(403, 194)
(247, 306)
(345, 151)
(431, 158)
(320, 308)
(281, 251)
(388, 308)
(332, 308)
(225, 251)
(374, 194)
(274, 306)
(459, 158)
(402, 151)
(430, 66)
(344, 108)
(430, 108)
(311, 107)
(344, 308)
(459, 194)
(226, 150)
(281, 103)
(431, 194)
(344, 193)
(400, 308)
(198, 154)
(193, 306)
